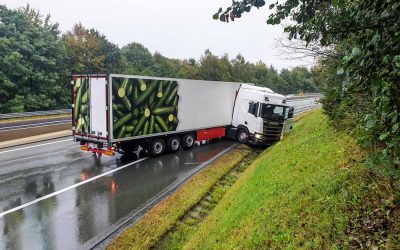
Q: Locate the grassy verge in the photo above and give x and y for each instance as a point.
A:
(188, 224)
(161, 218)
(311, 190)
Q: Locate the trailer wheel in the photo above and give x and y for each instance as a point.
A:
(129, 147)
(242, 136)
(188, 141)
(173, 144)
(156, 147)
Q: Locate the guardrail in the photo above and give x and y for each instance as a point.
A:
(35, 113)
(296, 97)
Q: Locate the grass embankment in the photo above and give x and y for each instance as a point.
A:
(311, 190)
(162, 217)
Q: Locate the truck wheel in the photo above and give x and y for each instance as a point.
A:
(128, 147)
(188, 141)
(242, 136)
(156, 147)
(173, 144)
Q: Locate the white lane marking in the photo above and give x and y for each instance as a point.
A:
(69, 188)
(34, 126)
(34, 146)
(193, 163)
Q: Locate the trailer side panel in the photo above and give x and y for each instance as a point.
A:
(143, 107)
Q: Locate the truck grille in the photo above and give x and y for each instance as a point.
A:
(272, 131)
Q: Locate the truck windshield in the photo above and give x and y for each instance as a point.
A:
(273, 112)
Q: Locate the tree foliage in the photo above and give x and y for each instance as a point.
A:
(363, 83)
(89, 51)
(32, 59)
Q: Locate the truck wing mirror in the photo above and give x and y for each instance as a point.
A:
(291, 112)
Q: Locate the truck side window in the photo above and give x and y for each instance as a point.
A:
(253, 108)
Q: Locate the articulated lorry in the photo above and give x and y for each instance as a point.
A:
(117, 113)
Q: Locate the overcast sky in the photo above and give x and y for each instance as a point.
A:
(175, 28)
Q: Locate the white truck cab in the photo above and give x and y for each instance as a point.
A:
(259, 115)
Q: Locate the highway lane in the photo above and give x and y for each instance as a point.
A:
(72, 218)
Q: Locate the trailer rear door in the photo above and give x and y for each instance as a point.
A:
(98, 107)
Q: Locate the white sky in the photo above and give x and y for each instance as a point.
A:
(175, 28)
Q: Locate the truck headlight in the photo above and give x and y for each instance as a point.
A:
(258, 136)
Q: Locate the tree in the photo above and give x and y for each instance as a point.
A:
(32, 59)
(214, 68)
(242, 70)
(166, 67)
(90, 52)
(113, 58)
(138, 59)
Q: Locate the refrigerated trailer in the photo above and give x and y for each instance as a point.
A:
(117, 113)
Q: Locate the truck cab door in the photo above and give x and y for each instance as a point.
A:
(288, 125)
(248, 115)
(253, 122)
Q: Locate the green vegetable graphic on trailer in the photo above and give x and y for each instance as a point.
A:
(142, 107)
(81, 104)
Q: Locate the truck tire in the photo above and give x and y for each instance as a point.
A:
(173, 144)
(128, 147)
(188, 141)
(242, 136)
(156, 147)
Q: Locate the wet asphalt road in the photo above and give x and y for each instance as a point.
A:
(72, 219)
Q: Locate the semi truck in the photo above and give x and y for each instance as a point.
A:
(118, 113)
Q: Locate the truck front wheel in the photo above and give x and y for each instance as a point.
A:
(188, 141)
(242, 136)
(156, 147)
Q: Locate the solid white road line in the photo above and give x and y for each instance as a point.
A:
(69, 188)
(34, 146)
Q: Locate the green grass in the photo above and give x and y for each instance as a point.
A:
(293, 196)
(186, 226)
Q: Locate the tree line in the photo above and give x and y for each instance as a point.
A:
(37, 59)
